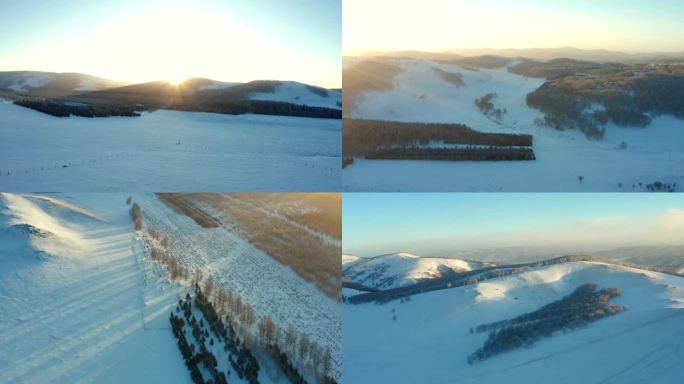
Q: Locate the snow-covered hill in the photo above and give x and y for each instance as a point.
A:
(298, 93)
(400, 269)
(52, 84)
(72, 296)
(428, 339)
(420, 94)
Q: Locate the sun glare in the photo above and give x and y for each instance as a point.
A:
(176, 81)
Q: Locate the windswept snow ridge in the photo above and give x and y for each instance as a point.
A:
(79, 316)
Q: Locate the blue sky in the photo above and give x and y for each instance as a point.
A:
(422, 222)
(310, 29)
(624, 25)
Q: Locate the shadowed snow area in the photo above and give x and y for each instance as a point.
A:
(168, 151)
(420, 95)
(72, 295)
(430, 340)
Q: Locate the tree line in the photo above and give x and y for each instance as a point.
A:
(586, 304)
(360, 137)
(472, 153)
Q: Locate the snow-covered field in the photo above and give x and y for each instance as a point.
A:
(430, 341)
(270, 287)
(75, 304)
(652, 154)
(167, 151)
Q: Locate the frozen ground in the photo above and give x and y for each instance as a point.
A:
(270, 287)
(167, 151)
(652, 154)
(75, 305)
(430, 340)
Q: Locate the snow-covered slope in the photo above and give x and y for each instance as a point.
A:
(72, 295)
(348, 260)
(421, 95)
(167, 151)
(399, 269)
(429, 339)
(21, 81)
(298, 93)
(215, 85)
(52, 84)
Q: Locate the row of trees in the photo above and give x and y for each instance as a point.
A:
(360, 137)
(231, 318)
(299, 348)
(453, 154)
(575, 310)
(61, 109)
(262, 107)
(244, 363)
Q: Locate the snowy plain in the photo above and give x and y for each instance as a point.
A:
(167, 151)
(652, 154)
(430, 340)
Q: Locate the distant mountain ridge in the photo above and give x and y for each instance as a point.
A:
(400, 269)
(51, 84)
(534, 53)
(64, 94)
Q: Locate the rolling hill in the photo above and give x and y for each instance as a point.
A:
(65, 94)
(430, 337)
(401, 269)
